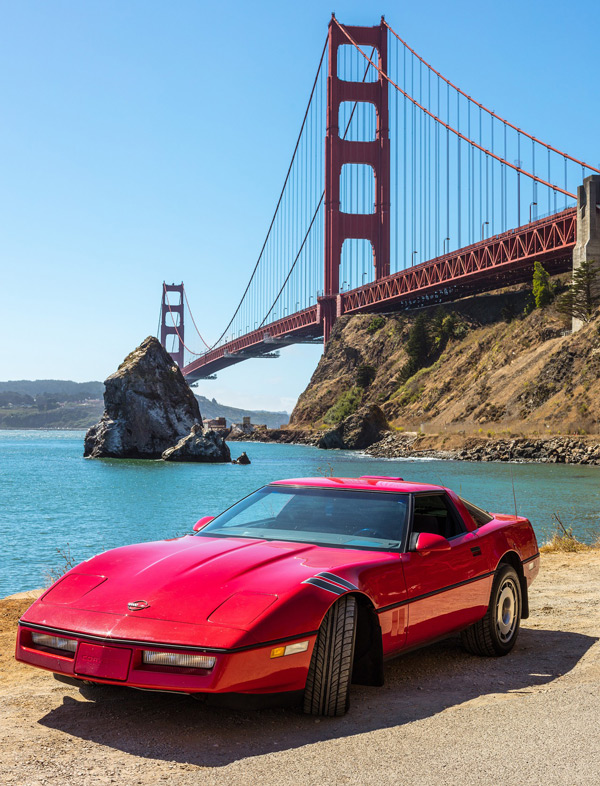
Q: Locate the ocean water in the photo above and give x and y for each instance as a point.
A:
(52, 499)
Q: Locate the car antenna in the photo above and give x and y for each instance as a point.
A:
(512, 479)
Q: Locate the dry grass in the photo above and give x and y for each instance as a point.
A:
(564, 541)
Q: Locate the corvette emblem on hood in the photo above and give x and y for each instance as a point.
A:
(137, 605)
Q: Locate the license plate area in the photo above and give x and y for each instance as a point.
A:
(96, 660)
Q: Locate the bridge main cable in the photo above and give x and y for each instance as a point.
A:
(484, 108)
(451, 128)
(278, 201)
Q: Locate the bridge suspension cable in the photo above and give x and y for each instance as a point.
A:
(482, 107)
(279, 201)
(460, 174)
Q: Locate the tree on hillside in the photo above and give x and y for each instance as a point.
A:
(583, 295)
(543, 290)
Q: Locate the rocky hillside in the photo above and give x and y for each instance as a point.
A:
(486, 365)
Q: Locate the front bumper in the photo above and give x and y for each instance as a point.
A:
(119, 662)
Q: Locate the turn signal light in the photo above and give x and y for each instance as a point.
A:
(291, 649)
(56, 642)
(178, 659)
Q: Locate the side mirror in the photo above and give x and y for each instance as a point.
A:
(201, 523)
(427, 541)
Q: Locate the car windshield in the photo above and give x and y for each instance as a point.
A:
(338, 517)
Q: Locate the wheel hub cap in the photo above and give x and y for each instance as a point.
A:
(506, 611)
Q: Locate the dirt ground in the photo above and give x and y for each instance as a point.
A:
(443, 717)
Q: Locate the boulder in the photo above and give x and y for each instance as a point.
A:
(243, 459)
(358, 431)
(148, 407)
(199, 446)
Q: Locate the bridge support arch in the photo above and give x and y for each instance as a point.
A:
(587, 246)
(340, 226)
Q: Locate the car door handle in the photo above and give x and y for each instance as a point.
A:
(476, 551)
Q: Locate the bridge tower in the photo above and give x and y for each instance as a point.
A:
(340, 226)
(587, 246)
(171, 320)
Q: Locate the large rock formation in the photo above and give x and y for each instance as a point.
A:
(357, 431)
(149, 407)
(199, 446)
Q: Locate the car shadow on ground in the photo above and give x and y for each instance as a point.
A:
(176, 728)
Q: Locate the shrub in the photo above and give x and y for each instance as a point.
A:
(543, 290)
(582, 296)
(346, 405)
(375, 324)
(563, 539)
(365, 374)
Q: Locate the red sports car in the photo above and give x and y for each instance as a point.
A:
(304, 586)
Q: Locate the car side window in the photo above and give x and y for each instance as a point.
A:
(434, 513)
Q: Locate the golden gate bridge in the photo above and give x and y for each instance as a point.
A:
(402, 191)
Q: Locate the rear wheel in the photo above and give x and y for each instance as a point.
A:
(327, 689)
(497, 632)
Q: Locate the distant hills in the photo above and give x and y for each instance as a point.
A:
(210, 408)
(64, 404)
(54, 387)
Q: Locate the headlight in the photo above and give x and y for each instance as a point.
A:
(176, 659)
(55, 642)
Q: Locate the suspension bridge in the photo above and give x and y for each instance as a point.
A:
(402, 191)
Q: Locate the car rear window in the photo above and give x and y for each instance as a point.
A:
(479, 515)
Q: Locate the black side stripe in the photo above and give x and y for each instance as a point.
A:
(326, 585)
(529, 559)
(435, 592)
(338, 580)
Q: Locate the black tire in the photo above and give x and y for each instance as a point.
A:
(327, 689)
(497, 632)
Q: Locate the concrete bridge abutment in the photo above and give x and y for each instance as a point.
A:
(587, 246)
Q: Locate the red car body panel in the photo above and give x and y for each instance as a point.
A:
(236, 598)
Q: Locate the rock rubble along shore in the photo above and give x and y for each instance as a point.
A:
(558, 450)
(554, 450)
(148, 409)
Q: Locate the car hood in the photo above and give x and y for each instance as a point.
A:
(199, 580)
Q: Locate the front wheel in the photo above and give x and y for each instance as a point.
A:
(497, 632)
(327, 689)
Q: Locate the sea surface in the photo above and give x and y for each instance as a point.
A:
(56, 505)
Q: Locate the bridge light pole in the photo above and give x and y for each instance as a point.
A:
(530, 206)
(444, 246)
(485, 223)
(412, 259)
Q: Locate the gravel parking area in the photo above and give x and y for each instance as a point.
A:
(443, 717)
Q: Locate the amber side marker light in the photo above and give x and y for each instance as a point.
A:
(291, 649)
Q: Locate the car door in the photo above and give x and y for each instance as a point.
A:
(446, 590)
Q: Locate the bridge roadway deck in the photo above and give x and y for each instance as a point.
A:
(495, 262)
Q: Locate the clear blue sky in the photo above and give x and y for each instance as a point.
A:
(144, 140)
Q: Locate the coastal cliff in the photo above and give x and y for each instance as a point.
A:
(490, 368)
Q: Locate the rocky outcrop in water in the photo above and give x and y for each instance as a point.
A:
(205, 446)
(148, 408)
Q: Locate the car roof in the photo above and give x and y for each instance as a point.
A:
(363, 483)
